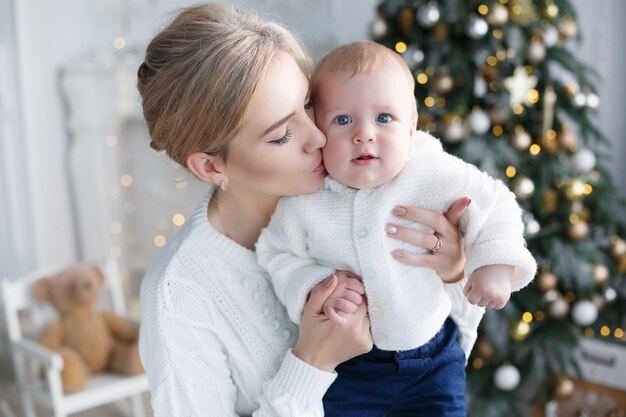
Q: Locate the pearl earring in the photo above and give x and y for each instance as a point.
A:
(223, 185)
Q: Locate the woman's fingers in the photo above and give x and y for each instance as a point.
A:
(320, 293)
(412, 236)
(414, 259)
(430, 218)
(457, 209)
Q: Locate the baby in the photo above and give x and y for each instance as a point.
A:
(376, 160)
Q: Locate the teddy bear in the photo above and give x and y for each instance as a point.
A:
(88, 341)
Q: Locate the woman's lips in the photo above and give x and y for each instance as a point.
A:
(319, 168)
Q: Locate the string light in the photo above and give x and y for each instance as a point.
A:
(534, 149)
(178, 219)
(401, 47)
(477, 363)
(116, 228)
(605, 331)
(422, 78)
(159, 241)
(497, 130)
(527, 317)
(119, 42)
(115, 252)
(111, 141)
(126, 180)
(511, 172)
(429, 101)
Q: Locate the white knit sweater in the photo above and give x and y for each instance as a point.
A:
(341, 228)
(214, 339)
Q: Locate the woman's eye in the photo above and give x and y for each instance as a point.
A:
(309, 104)
(284, 139)
(343, 120)
(383, 118)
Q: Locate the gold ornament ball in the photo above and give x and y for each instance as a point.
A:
(406, 20)
(498, 14)
(520, 331)
(485, 348)
(618, 246)
(523, 188)
(443, 84)
(548, 144)
(547, 281)
(441, 32)
(578, 230)
(575, 190)
(600, 274)
(551, 11)
(568, 28)
(621, 264)
(571, 89)
(520, 139)
(499, 115)
(564, 387)
(567, 140)
(550, 200)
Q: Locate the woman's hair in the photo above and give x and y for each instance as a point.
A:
(201, 72)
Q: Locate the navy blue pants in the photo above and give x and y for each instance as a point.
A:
(427, 381)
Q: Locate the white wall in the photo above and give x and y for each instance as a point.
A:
(604, 32)
(50, 33)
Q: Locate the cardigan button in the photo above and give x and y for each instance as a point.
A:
(361, 232)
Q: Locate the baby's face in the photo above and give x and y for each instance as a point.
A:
(369, 124)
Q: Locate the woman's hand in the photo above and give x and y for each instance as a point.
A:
(325, 344)
(447, 254)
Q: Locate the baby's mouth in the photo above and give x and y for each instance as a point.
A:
(364, 157)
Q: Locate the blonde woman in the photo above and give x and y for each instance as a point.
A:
(225, 94)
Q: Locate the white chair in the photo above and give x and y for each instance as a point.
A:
(21, 309)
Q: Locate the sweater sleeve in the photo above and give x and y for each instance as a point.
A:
(282, 251)
(493, 227)
(189, 373)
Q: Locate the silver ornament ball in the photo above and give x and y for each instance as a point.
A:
(477, 27)
(428, 15)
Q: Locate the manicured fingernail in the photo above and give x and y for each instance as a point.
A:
(469, 201)
(392, 230)
(329, 280)
(396, 254)
(399, 211)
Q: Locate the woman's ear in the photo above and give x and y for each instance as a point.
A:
(209, 168)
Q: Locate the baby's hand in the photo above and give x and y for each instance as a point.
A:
(490, 286)
(345, 298)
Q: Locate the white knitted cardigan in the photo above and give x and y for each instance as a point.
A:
(341, 228)
(214, 339)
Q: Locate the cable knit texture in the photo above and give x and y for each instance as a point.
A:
(214, 339)
(341, 228)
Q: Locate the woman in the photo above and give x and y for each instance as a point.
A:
(225, 94)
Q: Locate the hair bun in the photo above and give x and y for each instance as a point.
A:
(144, 72)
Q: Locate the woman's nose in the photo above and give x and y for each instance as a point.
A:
(315, 138)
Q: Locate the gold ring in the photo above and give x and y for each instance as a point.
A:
(437, 246)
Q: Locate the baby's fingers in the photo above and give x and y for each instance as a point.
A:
(332, 315)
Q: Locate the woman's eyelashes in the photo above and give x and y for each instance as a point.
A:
(284, 139)
(309, 104)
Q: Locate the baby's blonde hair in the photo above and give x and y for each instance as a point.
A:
(358, 57)
(201, 72)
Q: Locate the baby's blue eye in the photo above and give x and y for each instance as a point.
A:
(383, 118)
(343, 119)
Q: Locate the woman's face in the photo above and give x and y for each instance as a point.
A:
(278, 150)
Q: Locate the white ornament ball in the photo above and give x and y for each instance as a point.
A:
(592, 101)
(536, 52)
(579, 100)
(550, 36)
(523, 188)
(584, 313)
(477, 27)
(498, 15)
(531, 226)
(378, 28)
(480, 86)
(506, 377)
(428, 15)
(584, 160)
(551, 296)
(413, 56)
(454, 132)
(559, 308)
(610, 294)
(479, 121)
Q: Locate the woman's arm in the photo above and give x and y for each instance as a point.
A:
(189, 368)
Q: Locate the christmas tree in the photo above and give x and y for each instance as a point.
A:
(498, 83)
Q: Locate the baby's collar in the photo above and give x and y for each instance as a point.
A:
(332, 184)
